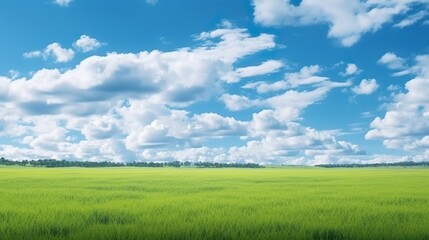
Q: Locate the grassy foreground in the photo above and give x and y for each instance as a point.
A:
(167, 203)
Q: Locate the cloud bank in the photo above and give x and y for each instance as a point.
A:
(348, 20)
(133, 106)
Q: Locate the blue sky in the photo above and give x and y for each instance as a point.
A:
(267, 81)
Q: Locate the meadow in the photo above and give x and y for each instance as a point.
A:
(190, 203)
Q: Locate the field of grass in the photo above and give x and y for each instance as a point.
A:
(167, 203)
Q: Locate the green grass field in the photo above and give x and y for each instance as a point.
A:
(188, 203)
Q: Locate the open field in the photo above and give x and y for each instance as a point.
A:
(188, 203)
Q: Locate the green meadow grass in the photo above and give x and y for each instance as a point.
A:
(189, 203)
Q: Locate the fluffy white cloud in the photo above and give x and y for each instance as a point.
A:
(103, 127)
(63, 2)
(366, 87)
(53, 50)
(392, 61)
(351, 69)
(176, 78)
(59, 53)
(274, 136)
(235, 43)
(406, 123)
(348, 20)
(133, 106)
(290, 143)
(86, 43)
(120, 103)
(236, 102)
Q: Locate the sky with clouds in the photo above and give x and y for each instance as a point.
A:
(266, 81)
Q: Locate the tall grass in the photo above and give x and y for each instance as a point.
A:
(271, 203)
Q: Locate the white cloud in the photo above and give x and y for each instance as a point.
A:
(306, 76)
(264, 87)
(176, 78)
(412, 19)
(111, 107)
(266, 67)
(406, 123)
(53, 50)
(103, 127)
(392, 61)
(86, 43)
(235, 43)
(366, 87)
(33, 54)
(351, 69)
(170, 129)
(348, 20)
(290, 143)
(280, 143)
(290, 104)
(235, 102)
(60, 54)
(133, 106)
(63, 2)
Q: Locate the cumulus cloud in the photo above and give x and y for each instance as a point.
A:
(406, 123)
(366, 87)
(291, 143)
(176, 78)
(161, 127)
(351, 69)
(60, 54)
(103, 127)
(86, 43)
(125, 102)
(392, 61)
(53, 50)
(62, 2)
(235, 102)
(63, 55)
(348, 20)
(134, 107)
(282, 143)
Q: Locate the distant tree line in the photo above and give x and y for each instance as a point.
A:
(360, 165)
(227, 165)
(53, 163)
